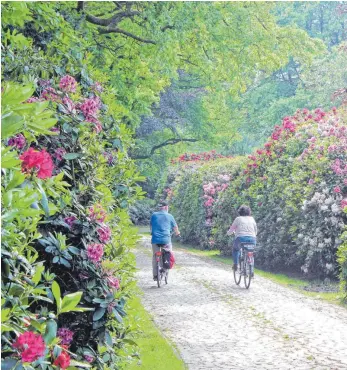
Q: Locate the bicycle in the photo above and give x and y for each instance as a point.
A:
(161, 271)
(245, 266)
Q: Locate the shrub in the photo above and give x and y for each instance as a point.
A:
(295, 185)
(67, 183)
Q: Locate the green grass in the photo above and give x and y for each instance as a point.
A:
(155, 352)
(282, 279)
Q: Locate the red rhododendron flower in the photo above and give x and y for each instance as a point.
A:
(63, 360)
(30, 345)
(37, 161)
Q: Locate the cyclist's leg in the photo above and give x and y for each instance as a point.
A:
(236, 253)
(155, 249)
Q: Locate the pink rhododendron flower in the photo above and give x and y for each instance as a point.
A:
(65, 335)
(97, 213)
(95, 252)
(18, 141)
(104, 233)
(68, 84)
(311, 181)
(38, 161)
(113, 282)
(50, 94)
(70, 220)
(70, 105)
(44, 83)
(33, 99)
(337, 189)
(89, 358)
(30, 345)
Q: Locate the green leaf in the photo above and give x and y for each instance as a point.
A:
(5, 314)
(57, 295)
(117, 315)
(9, 158)
(71, 156)
(44, 199)
(11, 125)
(38, 272)
(51, 332)
(70, 301)
(98, 314)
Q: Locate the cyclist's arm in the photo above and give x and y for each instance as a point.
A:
(176, 231)
(232, 228)
(174, 226)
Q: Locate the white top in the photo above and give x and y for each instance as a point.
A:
(244, 226)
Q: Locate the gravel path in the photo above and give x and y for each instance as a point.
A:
(218, 325)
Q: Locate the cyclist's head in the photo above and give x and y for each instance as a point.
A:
(163, 205)
(244, 210)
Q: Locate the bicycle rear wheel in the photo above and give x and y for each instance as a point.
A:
(238, 273)
(159, 276)
(248, 274)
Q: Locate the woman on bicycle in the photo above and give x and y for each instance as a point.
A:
(245, 229)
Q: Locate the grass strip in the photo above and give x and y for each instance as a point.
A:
(155, 351)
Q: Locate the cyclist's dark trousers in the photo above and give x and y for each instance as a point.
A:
(156, 248)
(237, 246)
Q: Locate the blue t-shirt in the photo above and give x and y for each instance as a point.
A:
(162, 224)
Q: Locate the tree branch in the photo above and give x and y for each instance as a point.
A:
(104, 31)
(171, 141)
(80, 6)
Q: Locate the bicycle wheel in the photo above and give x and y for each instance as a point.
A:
(158, 274)
(248, 274)
(238, 273)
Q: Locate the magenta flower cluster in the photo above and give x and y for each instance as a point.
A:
(17, 141)
(104, 233)
(70, 220)
(65, 335)
(95, 252)
(113, 282)
(68, 84)
(59, 154)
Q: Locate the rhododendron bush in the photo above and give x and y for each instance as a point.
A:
(296, 186)
(66, 270)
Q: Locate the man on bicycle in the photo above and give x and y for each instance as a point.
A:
(162, 223)
(245, 229)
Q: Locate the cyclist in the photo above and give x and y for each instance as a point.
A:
(245, 229)
(161, 225)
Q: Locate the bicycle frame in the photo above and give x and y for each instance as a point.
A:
(161, 271)
(246, 261)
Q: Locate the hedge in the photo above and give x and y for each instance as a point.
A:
(296, 186)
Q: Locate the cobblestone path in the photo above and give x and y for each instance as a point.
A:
(218, 325)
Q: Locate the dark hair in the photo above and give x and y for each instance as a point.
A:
(163, 203)
(244, 210)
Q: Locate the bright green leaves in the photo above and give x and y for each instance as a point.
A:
(18, 116)
(69, 302)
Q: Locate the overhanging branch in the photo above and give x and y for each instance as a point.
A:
(171, 141)
(103, 31)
